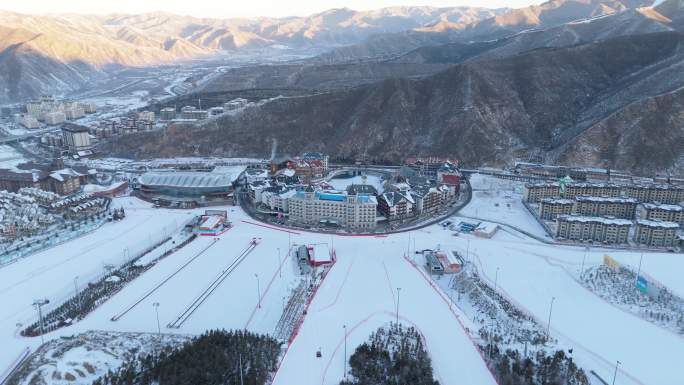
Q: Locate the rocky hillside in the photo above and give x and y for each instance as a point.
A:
(572, 104)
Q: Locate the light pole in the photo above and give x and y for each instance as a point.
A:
(398, 292)
(636, 280)
(468, 250)
(583, 260)
(617, 363)
(156, 310)
(76, 290)
(345, 350)
(548, 325)
(39, 305)
(496, 279)
(280, 264)
(258, 291)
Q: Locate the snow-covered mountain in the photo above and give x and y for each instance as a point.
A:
(54, 53)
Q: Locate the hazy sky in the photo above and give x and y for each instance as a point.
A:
(232, 8)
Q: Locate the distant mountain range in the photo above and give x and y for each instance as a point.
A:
(60, 53)
(616, 101)
(503, 24)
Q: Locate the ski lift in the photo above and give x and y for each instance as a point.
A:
(318, 353)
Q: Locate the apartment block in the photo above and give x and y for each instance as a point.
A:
(652, 193)
(551, 208)
(590, 206)
(593, 229)
(656, 233)
(661, 212)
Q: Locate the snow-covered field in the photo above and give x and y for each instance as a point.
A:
(10, 158)
(342, 183)
(500, 200)
(360, 292)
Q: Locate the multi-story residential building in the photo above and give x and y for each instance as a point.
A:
(192, 113)
(551, 208)
(661, 212)
(652, 193)
(596, 229)
(656, 233)
(319, 156)
(54, 118)
(89, 107)
(13, 181)
(74, 111)
(29, 121)
(428, 166)
(168, 113)
(235, 104)
(589, 206)
(334, 208)
(309, 169)
(428, 198)
(277, 198)
(146, 116)
(573, 190)
(64, 182)
(395, 205)
(449, 175)
(76, 138)
(534, 192)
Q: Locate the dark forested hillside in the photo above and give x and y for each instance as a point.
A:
(214, 358)
(482, 112)
(394, 355)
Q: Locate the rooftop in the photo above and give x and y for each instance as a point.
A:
(585, 198)
(652, 206)
(583, 219)
(186, 179)
(558, 201)
(657, 224)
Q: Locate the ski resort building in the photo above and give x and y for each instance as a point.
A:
(333, 208)
(203, 186)
(395, 205)
(317, 254)
(596, 229)
(590, 206)
(551, 208)
(660, 212)
(213, 223)
(656, 233)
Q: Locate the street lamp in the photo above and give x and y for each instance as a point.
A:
(258, 291)
(548, 325)
(496, 278)
(39, 305)
(156, 310)
(398, 292)
(76, 290)
(280, 269)
(345, 350)
(617, 363)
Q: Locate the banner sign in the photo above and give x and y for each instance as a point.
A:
(611, 263)
(642, 284)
